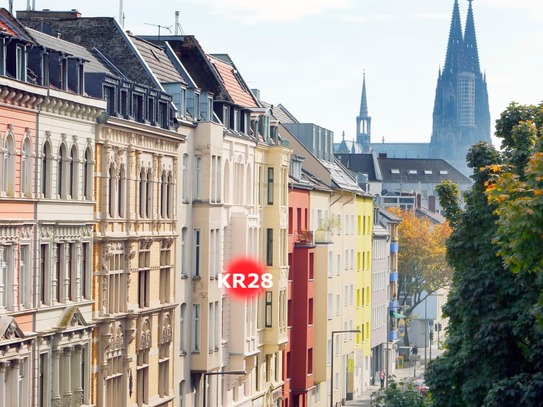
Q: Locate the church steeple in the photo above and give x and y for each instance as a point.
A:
(363, 121)
(453, 60)
(470, 44)
(364, 100)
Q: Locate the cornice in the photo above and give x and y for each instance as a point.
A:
(76, 109)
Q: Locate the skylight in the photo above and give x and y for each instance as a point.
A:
(411, 171)
(443, 172)
(395, 171)
(428, 172)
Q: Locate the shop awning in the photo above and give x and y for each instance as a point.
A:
(397, 315)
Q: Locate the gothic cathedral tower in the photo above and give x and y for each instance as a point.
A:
(461, 115)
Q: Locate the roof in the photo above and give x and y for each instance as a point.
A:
(235, 86)
(157, 60)
(281, 113)
(402, 150)
(54, 43)
(10, 26)
(341, 176)
(424, 170)
(360, 163)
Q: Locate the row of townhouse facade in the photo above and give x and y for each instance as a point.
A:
(132, 171)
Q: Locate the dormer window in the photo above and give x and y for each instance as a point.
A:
(296, 168)
(197, 106)
(63, 73)
(21, 64)
(123, 103)
(237, 121)
(226, 116)
(137, 107)
(209, 109)
(109, 96)
(163, 115)
(151, 110)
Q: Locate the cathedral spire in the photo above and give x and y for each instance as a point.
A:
(364, 100)
(453, 60)
(470, 44)
(363, 121)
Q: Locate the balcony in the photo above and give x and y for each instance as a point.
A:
(323, 236)
(304, 238)
(393, 276)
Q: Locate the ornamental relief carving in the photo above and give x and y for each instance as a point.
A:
(145, 337)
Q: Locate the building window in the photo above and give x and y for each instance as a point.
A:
(109, 96)
(164, 357)
(88, 175)
(163, 115)
(26, 169)
(226, 116)
(116, 281)
(269, 247)
(270, 186)
(44, 277)
(143, 193)
(24, 276)
(62, 181)
(121, 188)
(6, 273)
(196, 328)
(151, 111)
(310, 361)
(57, 276)
(142, 380)
(86, 268)
(144, 278)
(185, 187)
(165, 272)
(183, 329)
(268, 314)
(137, 107)
(184, 256)
(114, 379)
(198, 178)
(111, 191)
(123, 103)
(9, 165)
(182, 393)
(197, 253)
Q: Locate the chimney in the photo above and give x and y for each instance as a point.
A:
(432, 203)
(256, 92)
(382, 155)
(419, 201)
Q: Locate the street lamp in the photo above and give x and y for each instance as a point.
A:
(231, 372)
(351, 331)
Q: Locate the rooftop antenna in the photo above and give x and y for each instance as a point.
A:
(159, 27)
(178, 28)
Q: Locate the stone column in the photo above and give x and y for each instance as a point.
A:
(78, 364)
(13, 385)
(67, 377)
(55, 399)
(78, 269)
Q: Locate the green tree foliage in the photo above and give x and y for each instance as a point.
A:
(400, 395)
(494, 354)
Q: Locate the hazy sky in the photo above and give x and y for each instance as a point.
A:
(310, 54)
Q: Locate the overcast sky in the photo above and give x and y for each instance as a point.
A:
(309, 55)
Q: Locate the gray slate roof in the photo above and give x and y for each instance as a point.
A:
(424, 170)
(158, 61)
(57, 44)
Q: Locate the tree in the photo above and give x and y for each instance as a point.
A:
(421, 259)
(494, 345)
(400, 395)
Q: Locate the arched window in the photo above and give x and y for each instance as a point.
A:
(111, 191)
(88, 174)
(74, 174)
(143, 193)
(26, 168)
(149, 193)
(47, 159)
(169, 196)
(121, 182)
(62, 162)
(9, 165)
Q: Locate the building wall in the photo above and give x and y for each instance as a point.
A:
(363, 292)
(135, 243)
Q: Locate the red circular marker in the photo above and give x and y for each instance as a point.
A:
(244, 277)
